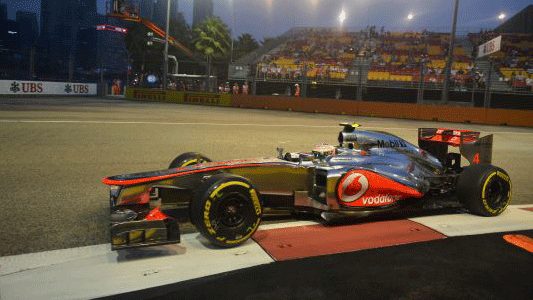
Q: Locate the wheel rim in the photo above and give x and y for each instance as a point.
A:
(232, 210)
(496, 194)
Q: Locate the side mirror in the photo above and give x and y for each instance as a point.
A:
(280, 152)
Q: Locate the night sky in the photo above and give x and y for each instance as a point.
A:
(270, 18)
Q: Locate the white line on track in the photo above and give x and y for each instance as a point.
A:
(220, 124)
(185, 123)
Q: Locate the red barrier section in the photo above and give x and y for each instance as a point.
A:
(388, 110)
(314, 240)
(510, 117)
(452, 113)
(320, 105)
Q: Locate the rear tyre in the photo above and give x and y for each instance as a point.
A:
(226, 210)
(484, 189)
(188, 159)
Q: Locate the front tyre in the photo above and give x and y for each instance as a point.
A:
(226, 210)
(484, 189)
(188, 159)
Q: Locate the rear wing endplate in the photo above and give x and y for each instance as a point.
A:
(475, 149)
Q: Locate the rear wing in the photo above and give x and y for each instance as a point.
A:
(475, 149)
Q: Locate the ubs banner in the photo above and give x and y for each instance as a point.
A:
(20, 87)
(179, 97)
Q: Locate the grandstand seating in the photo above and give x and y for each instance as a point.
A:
(329, 54)
(515, 58)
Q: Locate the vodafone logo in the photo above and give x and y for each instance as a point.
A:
(365, 188)
(352, 187)
(380, 199)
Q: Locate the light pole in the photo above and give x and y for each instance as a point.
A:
(165, 67)
(232, 25)
(444, 97)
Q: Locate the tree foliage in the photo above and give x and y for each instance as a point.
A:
(212, 38)
(267, 41)
(244, 45)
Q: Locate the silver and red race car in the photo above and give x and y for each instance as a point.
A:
(367, 172)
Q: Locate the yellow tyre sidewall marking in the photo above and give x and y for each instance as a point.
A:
(215, 195)
(190, 162)
(225, 184)
(504, 177)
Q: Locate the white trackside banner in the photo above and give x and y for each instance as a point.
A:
(489, 47)
(22, 87)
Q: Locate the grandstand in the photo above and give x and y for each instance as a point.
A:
(356, 60)
(514, 63)
(328, 55)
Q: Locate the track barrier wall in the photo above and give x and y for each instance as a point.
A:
(458, 114)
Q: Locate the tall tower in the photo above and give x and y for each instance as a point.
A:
(61, 20)
(3, 12)
(202, 9)
(174, 9)
(60, 25)
(160, 11)
(4, 24)
(29, 28)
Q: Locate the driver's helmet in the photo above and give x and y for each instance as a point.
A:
(323, 150)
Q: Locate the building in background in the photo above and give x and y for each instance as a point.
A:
(69, 44)
(202, 9)
(522, 22)
(61, 21)
(155, 11)
(160, 13)
(11, 60)
(9, 35)
(174, 9)
(3, 26)
(29, 29)
(3, 12)
(111, 54)
(146, 9)
(86, 54)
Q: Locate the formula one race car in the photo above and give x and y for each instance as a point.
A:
(368, 172)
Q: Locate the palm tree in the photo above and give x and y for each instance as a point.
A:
(212, 40)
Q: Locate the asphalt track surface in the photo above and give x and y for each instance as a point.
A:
(55, 151)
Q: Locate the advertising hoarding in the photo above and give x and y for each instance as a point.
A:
(22, 87)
